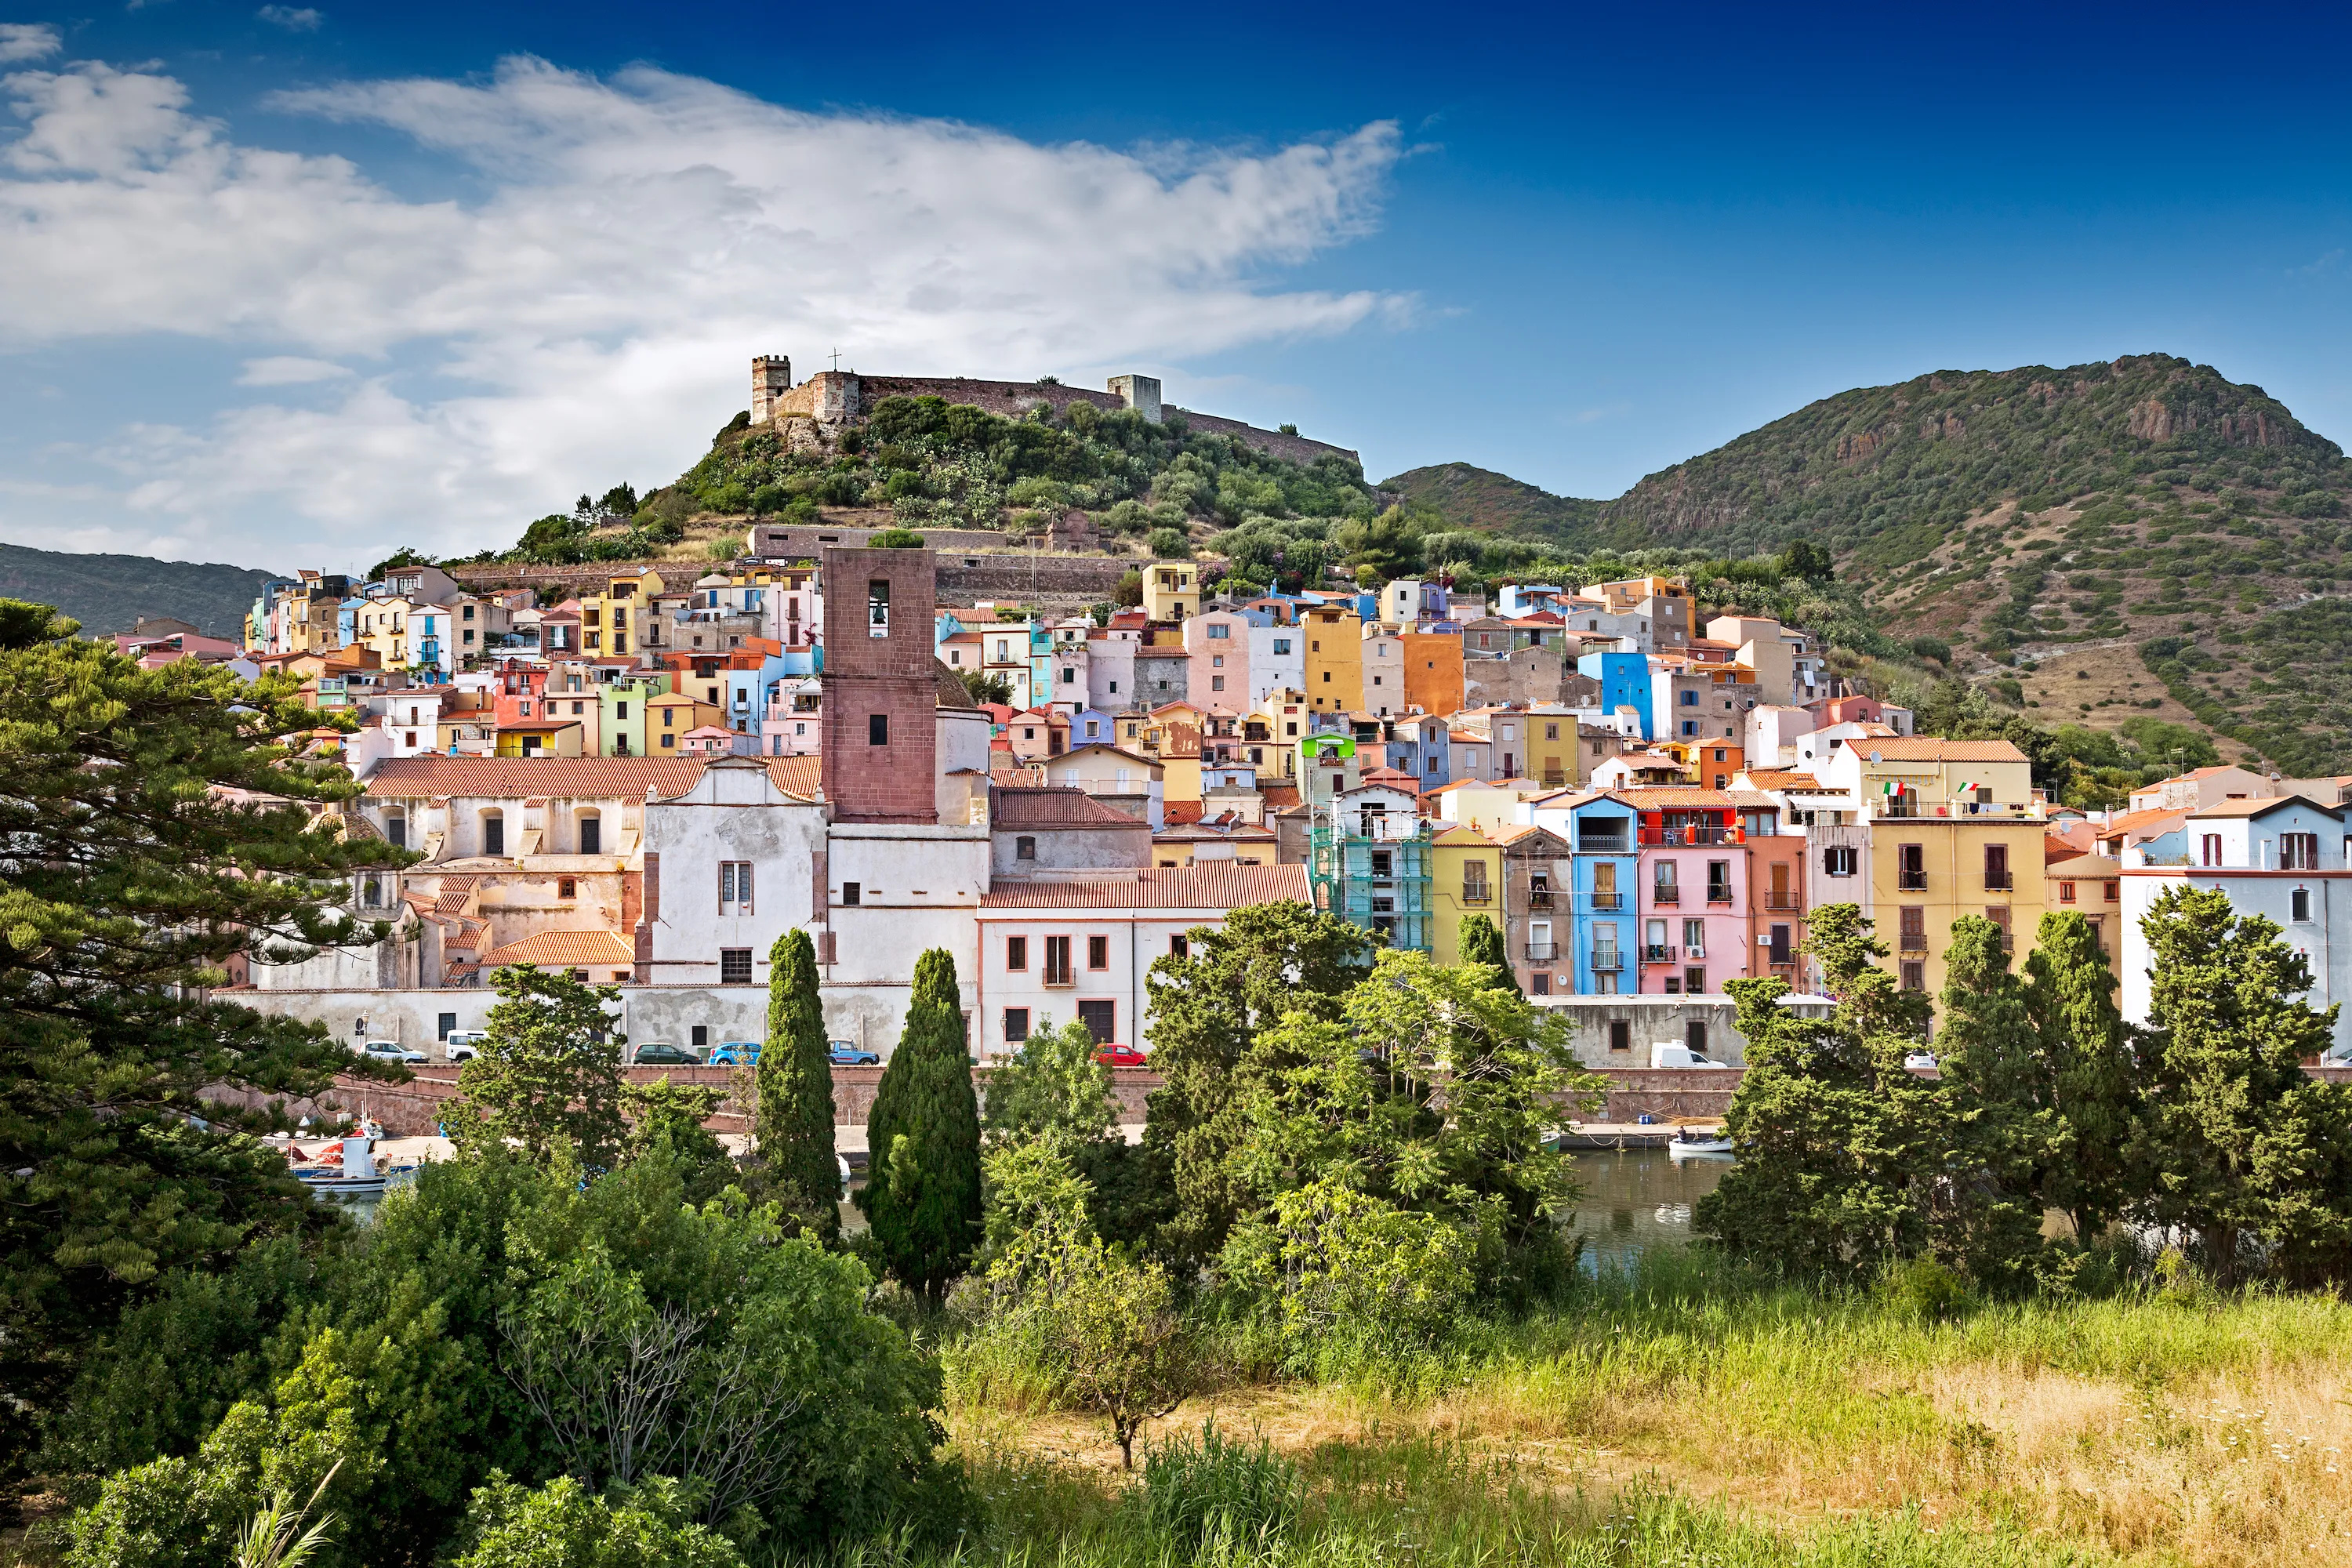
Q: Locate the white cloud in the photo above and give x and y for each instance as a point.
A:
(27, 41)
(293, 19)
(591, 319)
(289, 370)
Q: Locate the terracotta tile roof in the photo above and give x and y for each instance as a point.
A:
(1666, 798)
(1279, 797)
(454, 893)
(572, 948)
(802, 775)
(1180, 811)
(575, 778)
(1788, 778)
(1934, 749)
(1057, 805)
(1462, 835)
(2153, 821)
(2258, 807)
(1218, 885)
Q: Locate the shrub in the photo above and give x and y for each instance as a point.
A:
(1354, 1276)
(1924, 1288)
(1197, 1490)
(896, 539)
(1168, 542)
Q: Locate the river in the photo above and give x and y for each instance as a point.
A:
(1638, 1199)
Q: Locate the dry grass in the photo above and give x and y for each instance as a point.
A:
(2204, 1433)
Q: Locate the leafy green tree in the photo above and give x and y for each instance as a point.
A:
(1207, 1007)
(2250, 1156)
(548, 1075)
(564, 1525)
(1390, 543)
(922, 1187)
(1482, 942)
(1434, 1090)
(1836, 1139)
(1355, 1279)
(1128, 594)
(157, 824)
(673, 1117)
(795, 1130)
(1056, 1085)
(2091, 1079)
(1984, 1211)
(1807, 559)
(982, 687)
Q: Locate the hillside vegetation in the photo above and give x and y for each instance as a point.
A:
(2163, 539)
(108, 594)
(1489, 502)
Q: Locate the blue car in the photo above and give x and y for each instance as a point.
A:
(845, 1055)
(737, 1054)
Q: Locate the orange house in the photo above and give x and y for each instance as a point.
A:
(1433, 670)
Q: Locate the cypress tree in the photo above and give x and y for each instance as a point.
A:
(795, 1076)
(2092, 1084)
(1482, 942)
(1984, 1216)
(922, 1184)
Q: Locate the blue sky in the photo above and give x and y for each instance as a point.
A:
(295, 284)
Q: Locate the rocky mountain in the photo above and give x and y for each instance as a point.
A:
(2136, 536)
(109, 592)
(1489, 502)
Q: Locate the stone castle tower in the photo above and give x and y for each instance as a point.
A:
(772, 377)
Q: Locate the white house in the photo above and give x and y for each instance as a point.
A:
(1051, 950)
(2285, 857)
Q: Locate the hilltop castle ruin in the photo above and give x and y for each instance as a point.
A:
(833, 399)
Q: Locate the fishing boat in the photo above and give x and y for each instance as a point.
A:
(342, 1168)
(1699, 1143)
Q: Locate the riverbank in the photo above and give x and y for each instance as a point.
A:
(2167, 1426)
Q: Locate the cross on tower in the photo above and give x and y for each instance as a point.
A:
(837, 359)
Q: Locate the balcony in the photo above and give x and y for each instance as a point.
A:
(1600, 844)
(1672, 837)
(1060, 977)
(1607, 961)
(1998, 882)
(1477, 893)
(1787, 972)
(1665, 895)
(1657, 952)
(1718, 893)
(1780, 903)
(1912, 942)
(1607, 901)
(1540, 899)
(1543, 952)
(1911, 881)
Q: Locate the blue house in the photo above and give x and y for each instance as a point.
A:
(1624, 683)
(1091, 727)
(1603, 839)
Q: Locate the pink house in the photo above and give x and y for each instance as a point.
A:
(1217, 645)
(1693, 898)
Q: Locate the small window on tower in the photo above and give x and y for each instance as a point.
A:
(878, 729)
(878, 607)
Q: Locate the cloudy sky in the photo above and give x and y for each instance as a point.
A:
(292, 285)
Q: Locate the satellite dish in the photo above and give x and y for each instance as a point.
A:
(1875, 757)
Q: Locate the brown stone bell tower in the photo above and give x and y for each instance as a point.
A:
(880, 755)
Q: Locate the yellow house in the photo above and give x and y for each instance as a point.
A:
(1280, 722)
(1465, 877)
(1956, 828)
(381, 626)
(612, 623)
(1335, 659)
(670, 718)
(1171, 590)
(1488, 807)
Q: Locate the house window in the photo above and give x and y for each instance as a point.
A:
(1694, 939)
(734, 887)
(1693, 981)
(1016, 953)
(878, 607)
(1664, 889)
(448, 1022)
(1718, 881)
(1620, 1035)
(494, 834)
(1915, 975)
(1217, 682)
(850, 894)
(592, 836)
(2210, 849)
(1540, 984)
(1025, 847)
(1057, 961)
(1101, 1019)
(1913, 928)
(734, 966)
(1996, 868)
(2000, 916)
(1016, 1025)
(2114, 892)
(878, 729)
(395, 830)
(565, 887)
(2298, 851)
(701, 1038)
(1695, 1037)
(2065, 892)
(1098, 952)
(2299, 905)
(1220, 633)
(1281, 645)
(1840, 860)
(1911, 868)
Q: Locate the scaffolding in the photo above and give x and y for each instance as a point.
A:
(1378, 879)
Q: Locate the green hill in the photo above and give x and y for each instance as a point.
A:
(109, 592)
(2125, 538)
(1489, 502)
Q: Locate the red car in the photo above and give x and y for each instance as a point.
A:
(1119, 1056)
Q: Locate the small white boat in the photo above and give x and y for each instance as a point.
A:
(344, 1168)
(1699, 1143)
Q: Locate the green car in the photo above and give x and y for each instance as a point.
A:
(662, 1054)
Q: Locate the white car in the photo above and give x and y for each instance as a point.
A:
(463, 1045)
(391, 1051)
(1920, 1061)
